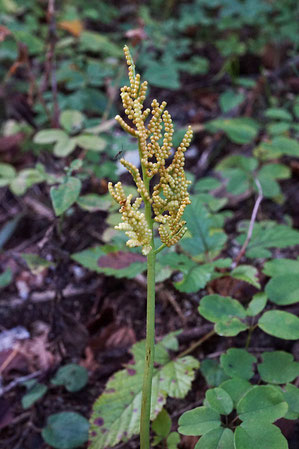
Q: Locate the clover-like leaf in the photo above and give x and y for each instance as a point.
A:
(236, 388)
(219, 400)
(280, 324)
(216, 439)
(66, 430)
(65, 195)
(217, 308)
(278, 367)
(262, 403)
(238, 363)
(283, 289)
(74, 377)
(246, 273)
(255, 434)
(257, 304)
(199, 421)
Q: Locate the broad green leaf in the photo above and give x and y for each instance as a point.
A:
(207, 184)
(257, 304)
(197, 65)
(236, 388)
(74, 377)
(33, 394)
(255, 434)
(216, 439)
(162, 424)
(25, 179)
(65, 195)
(262, 403)
(36, 263)
(199, 421)
(71, 120)
(278, 367)
(278, 267)
(219, 400)
(173, 440)
(50, 136)
(238, 363)
(278, 113)
(283, 289)
(97, 42)
(269, 235)
(230, 328)
(163, 74)
(219, 308)
(5, 278)
(64, 147)
(240, 130)
(248, 274)
(291, 396)
(276, 128)
(230, 99)
(116, 413)
(90, 142)
(212, 372)
(286, 145)
(66, 430)
(280, 324)
(195, 279)
(93, 202)
(203, 227)
(7, 174)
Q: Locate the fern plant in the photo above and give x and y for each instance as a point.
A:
(164, 204)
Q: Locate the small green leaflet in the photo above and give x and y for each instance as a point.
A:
(280, 324)
(116, 413)
(65, 195)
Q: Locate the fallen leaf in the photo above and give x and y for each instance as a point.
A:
(119, 260)
(75, 27)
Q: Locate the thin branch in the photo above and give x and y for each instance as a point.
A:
(251, 224)
(19, 380)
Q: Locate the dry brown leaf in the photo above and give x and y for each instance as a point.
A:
(75, 27)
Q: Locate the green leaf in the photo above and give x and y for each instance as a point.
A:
(240, 130)
(36, 263)
(230, 99)
(65, 195)
(247, 273)
(50, 136)
(284, 289)
(195, 279)
(286, 145)
(206, 235)
(291, 395)
(277, 128)
(197, 65)
(25, 179)
(199, 421)
(34, 394)
(163, 74)
(217, 308)
(257, 304)
(93, 202)
(206, 184)
(116, 413)
(5, 278)
(72, 120)
(7, 174)
(64, 147)
(230, 328)
(262, 404)
(238, 363)
(173, 440)
(278, 267)
(280, 324)
(269, 235)
(278, 114)
(96, 42)
(219, 400)
(66, 430)
(216, 439)
(253, 435)
(162, 424)
(236, 388)
(212, 372)
(91, 143)
(73, 377)
(278, 367)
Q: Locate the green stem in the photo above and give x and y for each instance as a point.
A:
(150, 328)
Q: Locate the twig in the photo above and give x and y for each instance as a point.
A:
(251, 224)
(196, 344)
(50, 62)
(19, 380)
